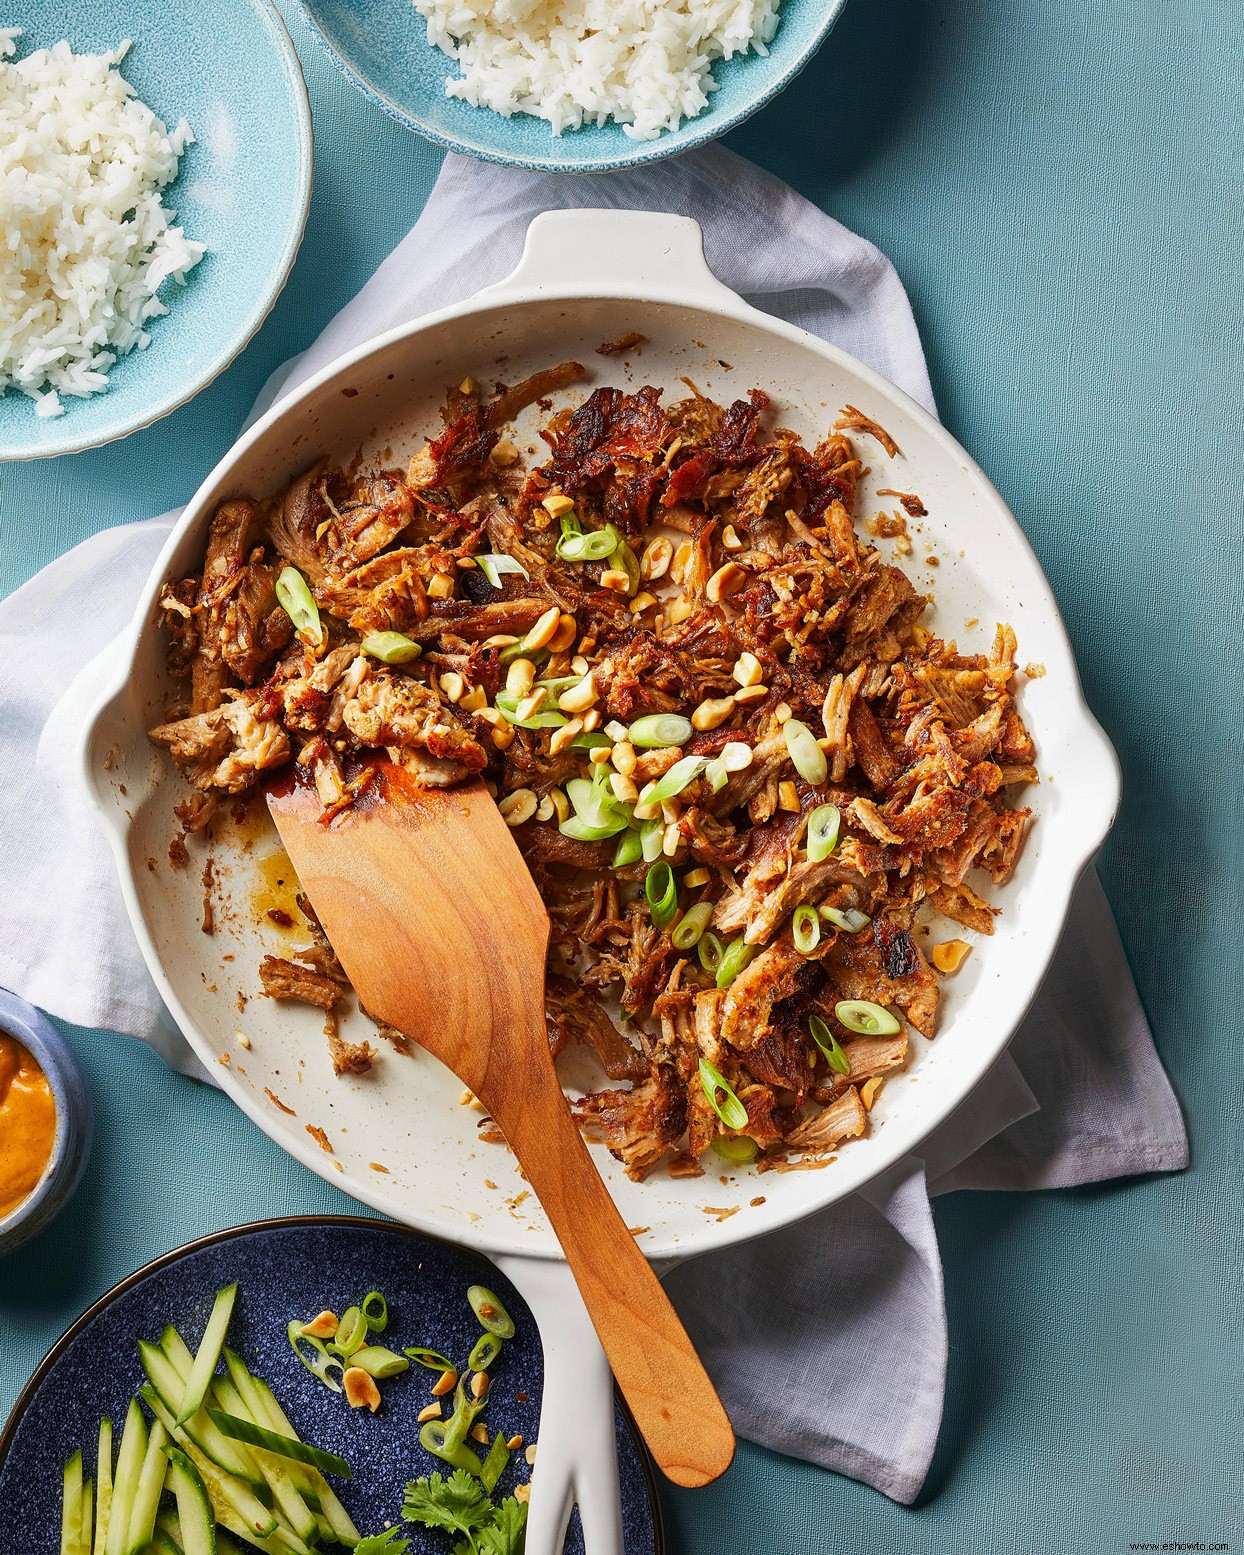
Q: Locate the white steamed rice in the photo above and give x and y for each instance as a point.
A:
(643, 63)
(85, 242)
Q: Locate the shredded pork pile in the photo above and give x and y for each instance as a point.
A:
(668, 651)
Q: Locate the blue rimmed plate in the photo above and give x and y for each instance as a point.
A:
(291, 1268)
(243, 189)
(382, 45)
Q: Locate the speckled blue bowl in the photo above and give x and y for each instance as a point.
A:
(73, 1121)
(243, 189)
(293, 1268)
(382, 45)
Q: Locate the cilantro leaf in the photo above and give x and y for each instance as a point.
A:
(386, 1543)
(504, 1536)
(458, 1504)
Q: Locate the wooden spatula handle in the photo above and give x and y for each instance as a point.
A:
(652, 1358)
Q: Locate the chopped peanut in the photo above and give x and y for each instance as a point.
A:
(782, 712)
(869, 1089)
(453, 685)
(322, 1327)
(518, 806)
(503, 736)
(730, 538)
(542, 632)
(736, 755)
(748, 670)
(623, 751)
(623, 788)
(467, 386)
(441, 586)
(788, 796)
(360, 1389)
(563, 737)
(725, 581)
(600, 755)
(429, 1412)
(474, 699)
(696, 877)
(445, 1383)
(616, 579)
(519, 676)
(745, 695)
(479, 1383)
(557, 503)
(530, 1455)
(544, 810)
(560, 803)
(514, 1443)
(567, 629)
(641, 603)
(577, 699)
(670, 840)
(530, 705)
(680, 610)
(591, 720)
(504, 454)
(479, 1431)
(655, 561)
(949, 956)
(522, 1492)
(711, 712)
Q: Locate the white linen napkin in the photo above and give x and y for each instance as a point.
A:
(1081, 1095)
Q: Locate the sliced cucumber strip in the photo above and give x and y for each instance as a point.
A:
(103, 1485)
(162, 1544)
(208, 1353)
(85, 1524)
(71, 1506)
(130, 1457)
(275, 1470)
(164, 1378)
(283, 1446)
(168, 1526)
(150, 1489)
(178, 1351)
(339, 1519)
(194, 1510)
(237, 1505)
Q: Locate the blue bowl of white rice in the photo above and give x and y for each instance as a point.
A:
(571, 85)
(156, 167)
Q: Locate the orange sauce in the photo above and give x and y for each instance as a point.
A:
(27, 1124)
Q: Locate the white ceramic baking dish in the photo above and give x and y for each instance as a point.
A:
(400, 1140)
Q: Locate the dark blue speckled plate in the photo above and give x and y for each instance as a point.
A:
(293, 1268)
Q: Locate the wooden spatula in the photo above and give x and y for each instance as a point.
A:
(428, 903)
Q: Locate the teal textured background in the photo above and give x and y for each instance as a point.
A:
(1059, 185)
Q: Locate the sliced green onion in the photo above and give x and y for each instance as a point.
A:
(737, 1148)
(495, 1462)
(658, 729)
(556, 684)
(805, 927)
(710, 951)
(580, 830)
(732, 1112)
(208, 1353)
(734, 958)
(869, 1019)
(623, 556)
(432, 1439)
(661, 889)
(432, 1359)
(492, 1315)
(590, 742)
(683, 773)
(570, 524)
(823, 826)
(851, 920)
(807, 755)
(629, 850)
(376, 1310)
(829, 1045)
(594, 546)
(494, 564)
(351, 1332)
(321, 1363)
(378, 1362)
(486, 1350)
(716, 775)
(239, 1430)
(519, 650)
(463, 1417)
(297, 601)
(391, 647)
(690, 927)
(543, 718)
(651, 839)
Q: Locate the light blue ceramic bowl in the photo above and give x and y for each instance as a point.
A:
(229, 68)
(72, 1143)
(382, 45)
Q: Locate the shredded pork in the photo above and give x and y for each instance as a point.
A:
(728, 585)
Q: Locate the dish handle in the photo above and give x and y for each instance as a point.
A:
(602, 253)
(577, 1461)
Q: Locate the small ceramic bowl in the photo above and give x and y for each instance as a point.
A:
(382, 46)
(72, 1145)
(243, 189)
